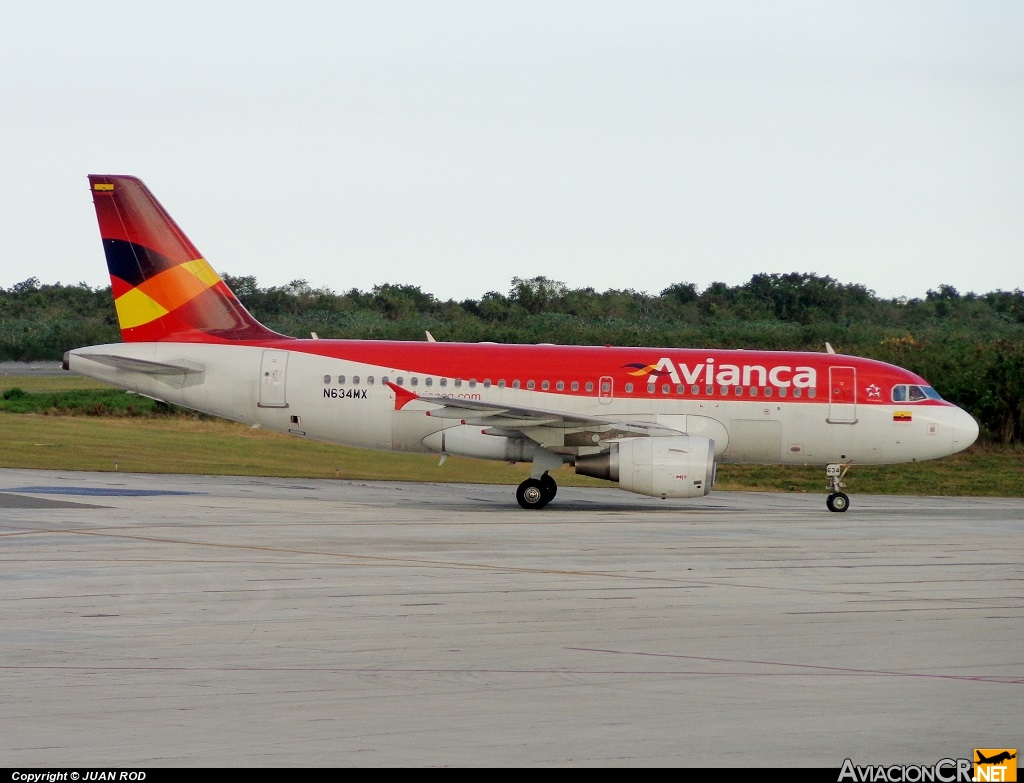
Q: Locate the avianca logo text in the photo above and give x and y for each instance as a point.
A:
(781, 376)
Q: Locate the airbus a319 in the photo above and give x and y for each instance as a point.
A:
(655, 421)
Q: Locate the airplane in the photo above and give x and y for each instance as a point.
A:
(656, 421)
(996, 759)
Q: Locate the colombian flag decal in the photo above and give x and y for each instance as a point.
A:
(102, 186)
(902, 416)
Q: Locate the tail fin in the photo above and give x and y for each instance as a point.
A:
(163, 288)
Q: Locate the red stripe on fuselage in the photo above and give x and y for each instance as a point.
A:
(497, 362)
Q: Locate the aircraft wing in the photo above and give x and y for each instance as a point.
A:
(556, 430)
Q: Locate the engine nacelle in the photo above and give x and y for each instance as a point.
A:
(680, 466)
(470, 441)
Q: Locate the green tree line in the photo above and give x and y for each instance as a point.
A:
(969, 346)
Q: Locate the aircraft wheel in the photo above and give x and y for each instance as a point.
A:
(837, 501)
(548, 487)
(531, 494)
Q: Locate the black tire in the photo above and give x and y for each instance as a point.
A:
(531, 495)
(838, 502)
(548, 487)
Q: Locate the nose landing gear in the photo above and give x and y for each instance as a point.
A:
(837, 501)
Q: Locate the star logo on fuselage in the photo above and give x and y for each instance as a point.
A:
(874, 391)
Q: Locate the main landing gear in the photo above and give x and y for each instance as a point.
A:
(537, 493)
(837, 501)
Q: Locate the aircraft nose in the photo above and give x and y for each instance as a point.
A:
(964, 429)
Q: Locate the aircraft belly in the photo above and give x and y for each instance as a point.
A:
(754, 440)
(808, 438)
(410, 427)
(229, 385)
(876, 438)
(323, 406)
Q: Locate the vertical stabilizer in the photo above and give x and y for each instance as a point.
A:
(163, 288)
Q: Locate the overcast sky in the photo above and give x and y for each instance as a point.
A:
(455, 145)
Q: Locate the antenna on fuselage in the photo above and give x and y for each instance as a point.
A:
(828, 347)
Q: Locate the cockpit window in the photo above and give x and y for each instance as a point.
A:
(912, 393)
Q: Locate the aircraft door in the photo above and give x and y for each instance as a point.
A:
(605, 389)
(842, 395)
(273, 377)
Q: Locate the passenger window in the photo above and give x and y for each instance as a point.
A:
(768, 391)
(782, 392)
(629, 387)
(400, 380)
(575, 386)
(369, 380)
(665, 388)
(355, 379)
(341, 380)
(812, 392)
(695, 389)
(753, 391)
(472, 383)
(327, 379)
(680, 389)
(530, 385)
(515, 384)
(458, 382)
(723, 390)
(709, 389)
(443, 382)
(415, 381)
(545, 385)
(590, 386)
(487, 383)
(797, 393)
(560, 385)
(383, 379)
(738, 391)
(501, 384)
(650, 388)
(428, 381)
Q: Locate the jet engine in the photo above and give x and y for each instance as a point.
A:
(472, 442)
(678, 466)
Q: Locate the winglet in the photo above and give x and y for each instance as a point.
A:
(402, 396)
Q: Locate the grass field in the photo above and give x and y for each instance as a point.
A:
(192, 444)
(65, 381)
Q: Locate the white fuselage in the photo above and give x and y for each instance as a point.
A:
(297, 392)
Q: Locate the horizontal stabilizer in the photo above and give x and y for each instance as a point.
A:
(175, 367)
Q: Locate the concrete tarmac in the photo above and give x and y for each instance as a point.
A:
(158, 621)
